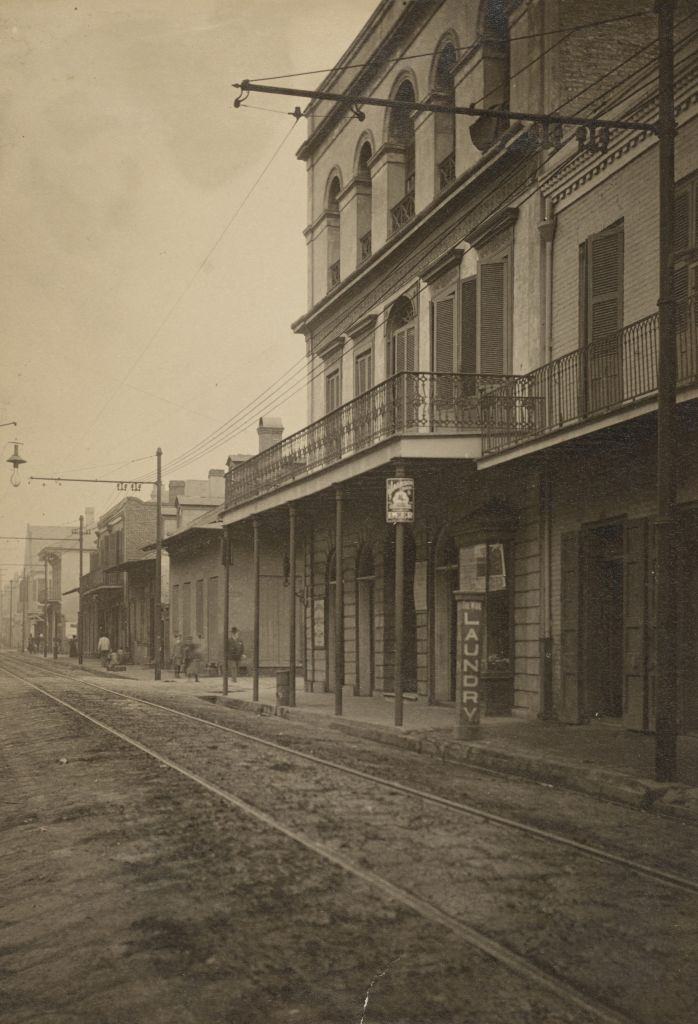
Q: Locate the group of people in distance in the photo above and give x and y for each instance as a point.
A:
(187, 657)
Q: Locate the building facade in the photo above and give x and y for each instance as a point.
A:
(482, 321)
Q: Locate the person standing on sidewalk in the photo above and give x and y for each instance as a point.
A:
(193, 663)
(103, 649)
(236, 649)
(177, 655)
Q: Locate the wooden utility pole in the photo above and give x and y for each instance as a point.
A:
(292, 606)
(255, 625)
(10, 638)
(45, 608)
(157, 618)
(338, 603)
(82, 531)
(226, 604)
(666, 702)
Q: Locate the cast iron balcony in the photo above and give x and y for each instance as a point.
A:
(447, 171)
(333, 275)
(614, 373)
(402, 213)
(408, 403)
(99, 579)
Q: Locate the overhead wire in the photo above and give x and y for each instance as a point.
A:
(290, 391)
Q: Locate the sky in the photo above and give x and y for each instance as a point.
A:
(142, 305)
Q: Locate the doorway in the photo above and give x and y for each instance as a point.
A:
(445, 583)
(604, 622)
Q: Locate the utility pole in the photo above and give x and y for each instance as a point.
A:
(666, 702)
(157, 623)
(10, 640)
(45, 607)
(82, 526)
(25, 598)
(226, 605)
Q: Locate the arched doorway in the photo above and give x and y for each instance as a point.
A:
(445, 583)
(330, 620)
(365, 648)
(409, 621)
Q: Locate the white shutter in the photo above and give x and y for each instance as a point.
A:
(493, 316)
(443, 339)
(605, 284)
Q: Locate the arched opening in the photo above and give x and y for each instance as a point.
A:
(495, 72)
(445, 622)
(365, 646)
(401, 184)
(365, 202)
(330, 620)
(409, 620)
(445, 123)
(333, 233)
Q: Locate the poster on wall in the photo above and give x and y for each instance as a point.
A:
(399, 500)
(319, 622)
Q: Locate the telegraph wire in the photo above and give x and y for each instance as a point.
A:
(240, 426)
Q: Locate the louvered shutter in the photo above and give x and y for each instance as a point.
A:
(605, 284)
(443, 341)
(468, 326)
(493, 316)
(635, 624)
(411, 348)
(569, 627)
(682, 220)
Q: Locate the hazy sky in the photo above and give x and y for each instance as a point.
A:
(122, 161)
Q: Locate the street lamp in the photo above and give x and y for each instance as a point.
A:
(16, 461)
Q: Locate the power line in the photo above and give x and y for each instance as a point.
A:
(458, 49)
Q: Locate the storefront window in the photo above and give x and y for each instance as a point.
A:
(483, 570)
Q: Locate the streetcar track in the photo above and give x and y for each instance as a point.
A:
(428, 910)
(664, 877)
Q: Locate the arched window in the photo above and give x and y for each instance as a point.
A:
(495, 72)
(333, 234)
(445, 123)
(365, 209)
(401, 347)
(401, 134)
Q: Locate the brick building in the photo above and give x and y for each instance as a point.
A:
(482, 320)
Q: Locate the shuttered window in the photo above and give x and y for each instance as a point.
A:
(199, 607)
(686, 275)
(601, 285)
(363, 372)
(493, 315)
(174, 612)
(402, 353)
(332, 391)
(443, 325)
(468, 326)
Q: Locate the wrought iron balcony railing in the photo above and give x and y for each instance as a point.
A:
(365, 247)
(333, 275)
(402, 213)
(408, 403)
(447, 171)
(600, 378)
(99, 579)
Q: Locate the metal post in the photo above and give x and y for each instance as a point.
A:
(292, 606)
(255, 625)
(10, 641)
(666, 702)
(25, 587)
(45, 608)
(157, 624)
(226, 605)
(338, 604)
(82, 531)
(399, 615)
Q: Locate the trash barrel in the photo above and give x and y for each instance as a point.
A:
(283, 687)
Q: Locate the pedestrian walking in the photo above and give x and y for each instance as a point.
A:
(56, 646)
(30, 645)
(73, 647)
(103, 649)
(177, 655)
(193, 663)
(236, 649)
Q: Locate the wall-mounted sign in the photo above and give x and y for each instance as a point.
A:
(318, 622)
(399, 499)
(470, 618)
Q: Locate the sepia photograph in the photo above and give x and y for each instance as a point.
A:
(349, 512)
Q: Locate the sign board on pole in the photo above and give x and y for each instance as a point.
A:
(470, 623)
(399, 499)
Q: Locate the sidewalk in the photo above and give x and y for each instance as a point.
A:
(598, 759)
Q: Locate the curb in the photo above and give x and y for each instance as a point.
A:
(670, 800)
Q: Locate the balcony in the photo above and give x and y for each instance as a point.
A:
(365, 247)
(333, 275)
(402, 213)
(408, 403)
(99, 579)
(447, 172)
(607, 376)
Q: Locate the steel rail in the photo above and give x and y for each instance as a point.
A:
(665, 877)
(516, 963)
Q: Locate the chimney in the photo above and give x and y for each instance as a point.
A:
(269, 431)
(216, 483)
(89, 516)
(177, 489)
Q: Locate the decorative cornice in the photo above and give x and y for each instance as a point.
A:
(364, 326)
(330, 350)
(442, 265)
(493, 226)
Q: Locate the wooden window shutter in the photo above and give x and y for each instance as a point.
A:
(635, 624)
(411, 347)
(682, 219)
(443, 334)
(362, 373)
(569, 627)
(493, 316)
(399, 350)
(604, 292)
(468, 326)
